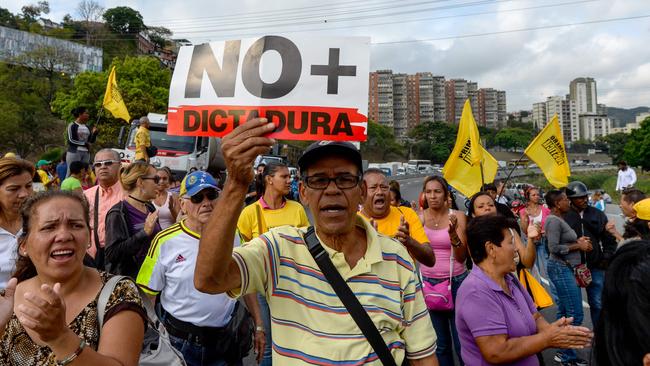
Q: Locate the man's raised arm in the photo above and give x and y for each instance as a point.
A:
(216, 271)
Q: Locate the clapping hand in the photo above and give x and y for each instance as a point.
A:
(453, 224)
(403, 232)
(7, 302)
(44, 313)
(533, 232)
(561, 334)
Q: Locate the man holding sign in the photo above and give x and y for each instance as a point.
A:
(310, 323)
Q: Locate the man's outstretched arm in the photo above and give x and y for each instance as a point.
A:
(216, 271)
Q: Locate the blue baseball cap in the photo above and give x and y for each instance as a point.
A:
(195, 182)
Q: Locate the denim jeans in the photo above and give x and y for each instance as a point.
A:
(445, 325)
(198, 355)
(595, 294)
(266, 318)
(541, 260)
(569, 296)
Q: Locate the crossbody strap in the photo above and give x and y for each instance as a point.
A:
(104, 295)
(349, 300)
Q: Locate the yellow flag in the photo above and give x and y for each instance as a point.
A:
(547, 151)
(113, 99)
(463, 169)
(467, 179)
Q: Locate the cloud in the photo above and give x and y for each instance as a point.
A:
(529, 65)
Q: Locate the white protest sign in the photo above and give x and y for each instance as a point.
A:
(312, 88)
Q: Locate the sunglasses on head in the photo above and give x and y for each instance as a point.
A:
(211, 194)
(107, 163)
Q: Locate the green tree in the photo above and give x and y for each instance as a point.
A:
(160, 36)
(124, 20)
(513, 138)
(381, 143)
(8, 19)
(51, 67)
(615, 145)
(637, 149)
(27, 126)
(143, 83)
(433, 141)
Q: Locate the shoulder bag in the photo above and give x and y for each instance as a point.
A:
(156, 349)
(349, 300)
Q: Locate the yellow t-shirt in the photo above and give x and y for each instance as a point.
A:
(142, 141)
(389, 224)
(292, 214)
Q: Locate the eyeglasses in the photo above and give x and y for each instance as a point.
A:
(210, 194)
(155, 178)
(345, 181)
(107, 163)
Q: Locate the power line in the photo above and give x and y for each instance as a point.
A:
(364, 17)
(283, 12)
(413, 20)
(514, 30)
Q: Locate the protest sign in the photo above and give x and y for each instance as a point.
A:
(312, 88)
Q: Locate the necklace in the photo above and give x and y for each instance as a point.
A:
(138, 200)
(436, 223)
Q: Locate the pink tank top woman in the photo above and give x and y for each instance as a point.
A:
(441, 245)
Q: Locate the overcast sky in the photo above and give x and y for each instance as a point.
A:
(431, 36)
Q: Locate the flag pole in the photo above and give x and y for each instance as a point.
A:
(510, 173)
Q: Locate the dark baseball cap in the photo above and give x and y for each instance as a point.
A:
(321, 149)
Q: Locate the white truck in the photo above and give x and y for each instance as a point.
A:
(178, 153)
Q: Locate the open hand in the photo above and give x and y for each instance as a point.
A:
(7, 302)
(453, 224)
(563, 335)
(150, 222)
(533, 232)
(44, 313)
(403, 232)
(241, 147)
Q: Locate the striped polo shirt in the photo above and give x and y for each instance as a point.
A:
(310, 325)
(168, 269)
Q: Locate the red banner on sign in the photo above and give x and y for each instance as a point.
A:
(293, 122)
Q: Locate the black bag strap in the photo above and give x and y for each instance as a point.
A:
(348, 298)
(99, 254)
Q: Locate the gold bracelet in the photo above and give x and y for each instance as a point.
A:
(73, 356)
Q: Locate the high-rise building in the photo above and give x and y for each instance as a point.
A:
(539, 117)
(472, 94)
(439, 99)
(456, 92)
(425, 101)
(593, 126)
(380, 105)
(400, 106)
(413, 101)
(488, 108)
(583, 92)
(502, 112)
(567, 116)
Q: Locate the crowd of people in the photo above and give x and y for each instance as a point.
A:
(440, 285)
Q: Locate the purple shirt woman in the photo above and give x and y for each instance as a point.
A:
(496, 319)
